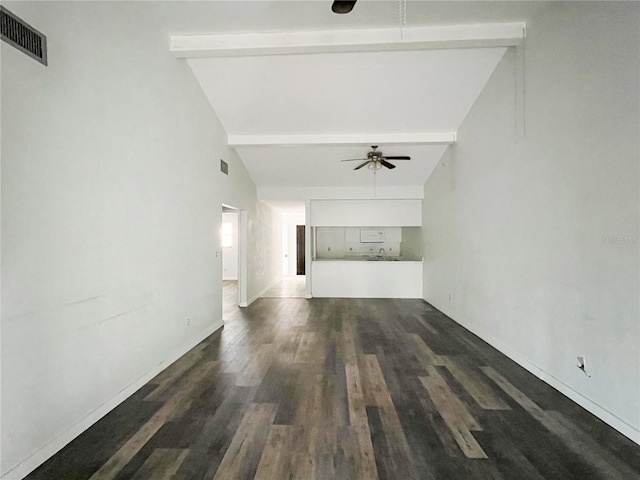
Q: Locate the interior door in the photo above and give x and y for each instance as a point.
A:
(300, 243)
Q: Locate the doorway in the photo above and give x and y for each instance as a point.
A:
(233, 247)
(293, 281)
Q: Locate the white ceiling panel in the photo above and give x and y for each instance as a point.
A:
(320, 166)
(250, 16)
(352, 95)
(373, 92)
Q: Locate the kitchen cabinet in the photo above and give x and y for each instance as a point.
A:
(330, 242)
(366, 213)
(366, 279)
(352, 235)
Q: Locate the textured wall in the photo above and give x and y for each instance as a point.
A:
(111, 207)
(531, 225)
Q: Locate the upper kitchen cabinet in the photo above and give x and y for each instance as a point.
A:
(366, 213)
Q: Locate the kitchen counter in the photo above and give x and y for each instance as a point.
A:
(367, 258)
(357, 277)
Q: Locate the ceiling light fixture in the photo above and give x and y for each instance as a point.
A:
(375, 165)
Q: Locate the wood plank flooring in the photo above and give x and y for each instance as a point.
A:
(345, 389)
(290, 286)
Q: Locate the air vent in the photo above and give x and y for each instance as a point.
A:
(22, 36)
(224, 167)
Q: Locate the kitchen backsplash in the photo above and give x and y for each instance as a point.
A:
(345, 242)
(388, 248)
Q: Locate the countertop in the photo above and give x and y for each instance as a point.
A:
(368, 258)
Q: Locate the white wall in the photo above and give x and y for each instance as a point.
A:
(263, 229)
(111, 196)
(340, 193)
(536, 237)
(230, 254)
(264, 258)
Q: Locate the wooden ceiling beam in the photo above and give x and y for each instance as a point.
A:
(367, 139)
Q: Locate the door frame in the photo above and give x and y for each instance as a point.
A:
(242, 258)
(242, 253)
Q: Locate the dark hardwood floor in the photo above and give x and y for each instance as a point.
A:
(349, 389)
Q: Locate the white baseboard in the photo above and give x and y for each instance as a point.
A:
(602, 413)
(47, 451)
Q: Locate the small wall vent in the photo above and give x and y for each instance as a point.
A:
(224, 167)
(22, 36)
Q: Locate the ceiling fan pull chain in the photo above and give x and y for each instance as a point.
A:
(402, 16)
(374, 184)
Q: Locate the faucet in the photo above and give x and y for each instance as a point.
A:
(382, 251)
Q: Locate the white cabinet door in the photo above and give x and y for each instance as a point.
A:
(330, 243)
(393, 235)
(352, 235)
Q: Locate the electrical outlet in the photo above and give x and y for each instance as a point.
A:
(449, 297)
(582, 365)
(188, 322)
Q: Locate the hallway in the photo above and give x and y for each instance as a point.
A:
(350, 389)
(291, 286)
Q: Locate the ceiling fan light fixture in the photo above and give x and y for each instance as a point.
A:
(375, 160)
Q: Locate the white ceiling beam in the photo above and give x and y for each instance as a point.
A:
(425, 138)
(332, 41)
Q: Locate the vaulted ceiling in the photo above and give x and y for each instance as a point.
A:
(298, 88)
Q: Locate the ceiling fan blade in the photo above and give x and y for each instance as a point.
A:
(355, 160)
(386, 164)
(361, 165)
(396, 158)
(343, 6)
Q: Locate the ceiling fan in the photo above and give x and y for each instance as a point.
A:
(343, 6)
(376, 160)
